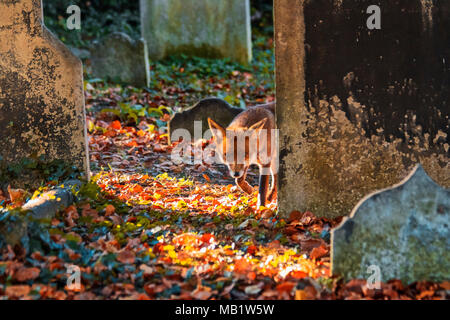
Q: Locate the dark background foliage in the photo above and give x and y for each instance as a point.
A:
(100, 17)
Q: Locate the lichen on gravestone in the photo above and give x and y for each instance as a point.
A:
(358, 108)
(41, 90)
(403, 231)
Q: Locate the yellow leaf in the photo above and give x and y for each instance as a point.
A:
(300, 295)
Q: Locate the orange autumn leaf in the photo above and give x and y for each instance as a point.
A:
(425, 294)
(132, 143)
(298, 274)
(116, 125)
(252, 249)
(25, 274)
(207, 238)
(445, 285)
(301, 295)
(17, 196)
(207, 178)
(285, 287)
(318, 252)
(137, 189)
(158, 248)
(242, 266)
(109, 210)
(17, 291)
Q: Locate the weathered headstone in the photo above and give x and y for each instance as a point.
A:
(80, 53)
(119, 58)
(358, 108)
(216, 109)
(404, 231)
(205, 28)
(41, 90)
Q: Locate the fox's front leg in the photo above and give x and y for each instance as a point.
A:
(243, 184)
(273, 194)
(263, 187)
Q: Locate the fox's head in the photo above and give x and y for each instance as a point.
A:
(236, 147)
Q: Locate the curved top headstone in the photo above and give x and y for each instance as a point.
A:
(403, 230)
(41, 90)
(205, 28)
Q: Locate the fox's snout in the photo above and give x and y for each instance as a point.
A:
(236, 174)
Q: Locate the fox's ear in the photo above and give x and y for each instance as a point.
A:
(259, 125)
(217, 130)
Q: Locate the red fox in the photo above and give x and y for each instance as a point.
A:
(246, 141)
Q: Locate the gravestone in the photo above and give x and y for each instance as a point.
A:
(41, 90)
(204, 28)
(217, 109)
(404, 231)
(358, 108)
(119, 58)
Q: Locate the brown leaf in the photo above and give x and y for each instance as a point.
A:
(285, 287)
(17, 196)
(88, 212)
(109, 210)
(242, 266)
(425, 294)
(17, 291)
(445, 285)
(126, 256)
(25, 274)
(310, 244)
(295, 216)
(319, 252)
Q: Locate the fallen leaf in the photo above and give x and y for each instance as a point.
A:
(300, 295)
(126, 256)
(17, 291)
(109, 210)
(17, 196)
(295, 215)
(445, 285)
(318, 252)
(116, 125)
(25, 274)
(285, 287)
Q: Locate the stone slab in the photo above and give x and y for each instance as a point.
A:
(403, 230)
(214, 108)
(119, 58)
(357, 109)
(41, 90)
(205, 28)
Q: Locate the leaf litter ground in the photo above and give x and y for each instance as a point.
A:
(148, 228)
